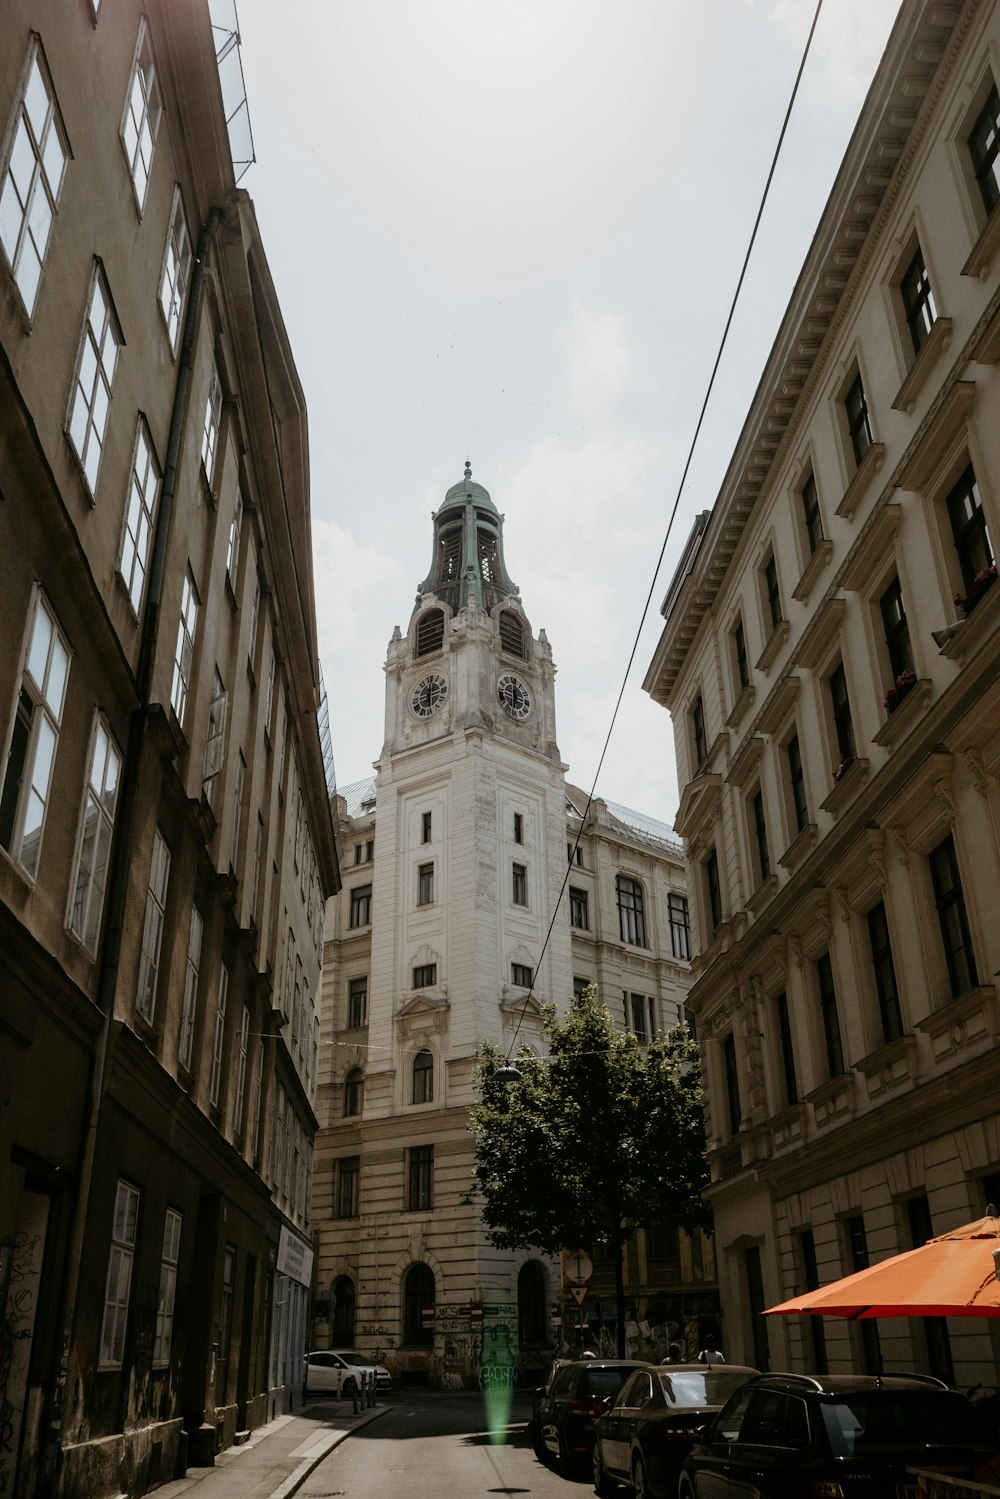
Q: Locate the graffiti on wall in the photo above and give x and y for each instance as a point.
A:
(18, 1327)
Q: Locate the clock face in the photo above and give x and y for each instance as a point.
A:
(428, 696)
(513, 697)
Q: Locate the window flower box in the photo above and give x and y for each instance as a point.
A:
(983, 581)
(903, 684)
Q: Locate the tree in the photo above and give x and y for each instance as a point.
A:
(598, 1138)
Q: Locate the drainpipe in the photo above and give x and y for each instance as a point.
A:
(121, 857)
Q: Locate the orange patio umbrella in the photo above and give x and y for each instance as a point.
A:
(953, 1275)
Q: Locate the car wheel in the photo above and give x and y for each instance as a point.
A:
(640, 1482)
(602, 1483)
(538, 1447)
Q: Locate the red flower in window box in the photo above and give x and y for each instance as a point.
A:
(899, 689)
(843, 768)
(983, 580)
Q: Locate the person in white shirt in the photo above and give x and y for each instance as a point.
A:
(710, 1354)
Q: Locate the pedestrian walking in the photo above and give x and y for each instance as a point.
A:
(710, 1354)
(674, 1355)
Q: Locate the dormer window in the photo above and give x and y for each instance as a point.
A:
(430, 632)
(511, 633)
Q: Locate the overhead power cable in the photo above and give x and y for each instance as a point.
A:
(677, 499)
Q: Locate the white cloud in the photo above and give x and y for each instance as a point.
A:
(598, 356)
(349, 582)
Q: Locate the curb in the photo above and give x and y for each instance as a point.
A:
(321, 1449)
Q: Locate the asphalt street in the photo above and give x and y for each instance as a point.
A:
(438, 1445)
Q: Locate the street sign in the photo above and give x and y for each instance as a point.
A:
(579, 1294)
(578, 1266)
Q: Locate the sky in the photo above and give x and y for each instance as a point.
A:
(511, 233)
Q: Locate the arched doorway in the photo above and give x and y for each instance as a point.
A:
(532, 1319)
(342, 1324)
(418, 1293)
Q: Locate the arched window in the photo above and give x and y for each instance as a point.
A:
(418, 1292)
(430, 632)
(354, 1091)
(631, 915)
(511, 633)
(343, 1312)
(531, 1319)
(423, 1077)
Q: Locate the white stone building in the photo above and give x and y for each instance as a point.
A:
(830, 660)
(438, 943)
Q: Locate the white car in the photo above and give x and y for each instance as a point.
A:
(328, 1372)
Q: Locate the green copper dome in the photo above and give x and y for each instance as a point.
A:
(468, 563)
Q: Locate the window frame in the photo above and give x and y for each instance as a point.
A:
(420, 1179)
(88, 886)
(424, 975)
(840, 713)
(95, 367)
(579, 908)
(136, 122)
(739, 657)
(758, 830)
(884, 972)
(142, 502)
(713, 890)
(360, 912)
(812, 514)
(786, 1049)
(357, 1001)
(187, 634)
(967, 530)
(833, 1036)
(22, 126)
(118, 1278)
(986, 161)
(947, 901)
(631, 904)
(857, 417)
(218, 1039)
(152, 928)
(519, 885)
(26, 731)
(175, 272)
(679, 926)
(521, 975)
(896, 632)
(425, 884)
(424, 1091)
(353, 1092)
(170, 1254)
(348, 1199)
(917, 296)
(189, 1000)
(798, 798)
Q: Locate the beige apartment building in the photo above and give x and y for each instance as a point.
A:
(166, 846)
(829, 657)
(455, 855)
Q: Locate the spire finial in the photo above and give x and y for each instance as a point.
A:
(468, 469)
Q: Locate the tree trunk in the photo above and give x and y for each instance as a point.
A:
(619, 1248)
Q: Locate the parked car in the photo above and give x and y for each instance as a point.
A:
(792, 1436)
(564, 1423)
(651, 1425)
(328, 1370)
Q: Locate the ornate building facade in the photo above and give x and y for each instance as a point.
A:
(455, 856)
(166, 845)
(829, 657)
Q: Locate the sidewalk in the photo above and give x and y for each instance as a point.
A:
(277, 1458)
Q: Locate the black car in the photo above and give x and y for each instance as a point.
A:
(653, 1422)
(563, 1425)
(794, 1436)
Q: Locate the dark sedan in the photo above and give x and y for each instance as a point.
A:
(564, 1424)
(653, 1421)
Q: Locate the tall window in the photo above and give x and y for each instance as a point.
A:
(842, 722)
(760, 835)
(124, 1229)
(242, 1050)
(361, 906)
(32, 180)
(935, 1329)
(631, 916)
(425, 829)
(734, 1112)
(215, 1086)
(787, 1049)
(184, 652)
(423, 1077)
(830, 1017)
(772, 593)
(518, 827)
(859, 425)
(233, 559)
(169, 1258)
(189, 1004)
(152, 929)
(713, 889)
(140, 516)
(640, 1016)
(519, 884)
(897, 630)
(357, 1001)
(953, 919)
(968, 527)
(215, 740)
(93, 379)
(348, 1180)
(796, 783)
(420, 1178)
(857, 1247)
(984, 146)
(425, 884)
(680, 925)
(885, 973)
(579, 912)
(739, 641)
(698, 730)
(810, 513)
(34, 736)
(810, 1276)
(354, 1084)
(210, 426)
(176, 271)
(241, 770)
(918, 301)
(141, 118)
(418, 1298)
(100, 801)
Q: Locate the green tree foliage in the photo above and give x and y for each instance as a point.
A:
(598, 1138)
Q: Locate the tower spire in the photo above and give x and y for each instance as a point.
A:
(468, 563)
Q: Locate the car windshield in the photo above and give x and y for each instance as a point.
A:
(714, 1387)
(883, 1421)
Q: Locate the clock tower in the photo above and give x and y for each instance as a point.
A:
(465, 830)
